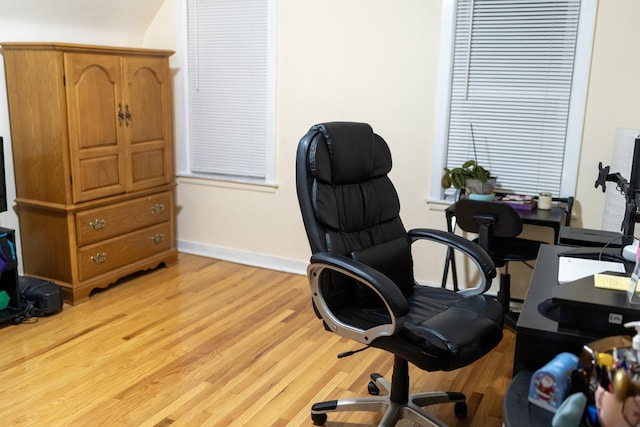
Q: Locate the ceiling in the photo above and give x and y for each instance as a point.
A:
(130, 15)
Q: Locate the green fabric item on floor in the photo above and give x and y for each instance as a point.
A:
(4, 300)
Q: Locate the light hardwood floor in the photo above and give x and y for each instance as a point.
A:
(207, 342)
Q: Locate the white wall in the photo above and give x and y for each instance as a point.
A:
(371, 61)
(377, 61)
(361, 60)
(614, 97)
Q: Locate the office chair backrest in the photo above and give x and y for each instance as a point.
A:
(488, 219)
(349, 205)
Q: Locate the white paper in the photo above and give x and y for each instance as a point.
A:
(570, 269)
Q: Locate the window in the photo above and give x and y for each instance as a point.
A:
(231, 89)
(514, 88)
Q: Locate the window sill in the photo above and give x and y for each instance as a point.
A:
(227, 182)
(436, 204)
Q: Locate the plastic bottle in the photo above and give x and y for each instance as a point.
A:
(635, 342)
(633, 292)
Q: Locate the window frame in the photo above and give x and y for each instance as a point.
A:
(577, 108)
(180, 63)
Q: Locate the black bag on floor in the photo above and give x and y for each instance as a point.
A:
(40, 297)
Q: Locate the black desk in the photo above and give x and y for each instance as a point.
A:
(545, 218)
(538, 339)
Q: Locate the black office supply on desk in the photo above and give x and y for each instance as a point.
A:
(601, 312)
(604, 254)
(589, 237)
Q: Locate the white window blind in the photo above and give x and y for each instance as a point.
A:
(511, 85)
(228, 90)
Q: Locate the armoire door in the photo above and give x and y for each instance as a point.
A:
(147, 122)
(96, 125)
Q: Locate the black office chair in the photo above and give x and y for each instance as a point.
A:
(498, 225)
(361, 275)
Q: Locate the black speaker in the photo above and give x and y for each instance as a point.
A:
(40, 297)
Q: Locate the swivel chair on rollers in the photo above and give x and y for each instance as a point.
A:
(361, 275)
(498, 225)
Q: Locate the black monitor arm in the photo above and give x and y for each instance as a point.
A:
(631, 214)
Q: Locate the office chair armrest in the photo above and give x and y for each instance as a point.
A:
(393, 299)
(473, 251)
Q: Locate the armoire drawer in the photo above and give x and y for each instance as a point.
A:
(98, 224)
(111, 254)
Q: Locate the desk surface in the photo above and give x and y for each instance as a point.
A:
(543, 217)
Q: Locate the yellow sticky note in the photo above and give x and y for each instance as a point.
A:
(608, 281)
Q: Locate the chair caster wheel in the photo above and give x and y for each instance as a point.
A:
(319, 419)
(373, 389)
(460, 409)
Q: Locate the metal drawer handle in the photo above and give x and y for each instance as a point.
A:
(158, 238)
(157, 209)
(98, 224)
(99, 258)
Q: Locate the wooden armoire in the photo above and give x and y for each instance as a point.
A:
(93, 159)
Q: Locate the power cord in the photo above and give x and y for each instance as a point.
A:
(27, 314)
(615, 239)
(352, 352)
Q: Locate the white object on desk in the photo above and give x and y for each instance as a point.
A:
(629, 251)
(544, 201)
(570, 269)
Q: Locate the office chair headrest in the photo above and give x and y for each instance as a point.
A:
(351, 153)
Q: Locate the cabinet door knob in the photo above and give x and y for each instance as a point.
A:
(157, 238)
(99, 257)
(98, 224)
(120, 114)
(157, 209)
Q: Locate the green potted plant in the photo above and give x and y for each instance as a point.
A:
(474, 179)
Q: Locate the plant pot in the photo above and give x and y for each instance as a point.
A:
(477, 187)
(484, 197)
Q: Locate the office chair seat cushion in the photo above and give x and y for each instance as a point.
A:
(455, 329)
(442, 331)
(505, 249)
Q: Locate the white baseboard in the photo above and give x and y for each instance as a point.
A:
(243, 257)
(250, 258)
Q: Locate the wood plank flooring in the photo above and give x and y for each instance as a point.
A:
(207, 343)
